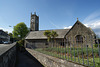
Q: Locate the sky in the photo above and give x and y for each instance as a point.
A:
(53, 14)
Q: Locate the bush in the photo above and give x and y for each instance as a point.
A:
(96, 45)
(21, 43)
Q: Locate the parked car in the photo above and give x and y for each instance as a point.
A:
(6, 42)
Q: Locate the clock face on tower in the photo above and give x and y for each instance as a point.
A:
(32, 20)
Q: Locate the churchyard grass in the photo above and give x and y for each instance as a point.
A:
(71, 54)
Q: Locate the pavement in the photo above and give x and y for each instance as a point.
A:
(5, 47)
(23, 60)
(2, 45)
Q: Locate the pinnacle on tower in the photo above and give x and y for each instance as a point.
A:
(34, 13)
(31, 13)
(77, 19)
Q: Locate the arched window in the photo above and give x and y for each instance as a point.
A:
(79, 39)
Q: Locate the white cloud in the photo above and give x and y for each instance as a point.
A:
(93, 25)
(7, 29)
(67, 27)
(93, 21)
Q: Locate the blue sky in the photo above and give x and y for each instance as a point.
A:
(53, 14)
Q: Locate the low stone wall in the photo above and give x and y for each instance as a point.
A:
(8, 55)
(49, 61)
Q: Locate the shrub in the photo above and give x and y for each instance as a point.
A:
(96, 45)
(21, 43)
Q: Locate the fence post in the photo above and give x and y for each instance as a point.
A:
(98, 49)
(87, 50)
(68, 49)
(82, 49)
(77, 50)
(74, 50)
(58, 49)
(65, 48)
(92, 50)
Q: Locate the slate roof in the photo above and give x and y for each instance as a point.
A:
(39, 34)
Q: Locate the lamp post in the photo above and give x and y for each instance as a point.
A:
(12, 39)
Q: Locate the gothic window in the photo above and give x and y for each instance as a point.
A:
(79, 39)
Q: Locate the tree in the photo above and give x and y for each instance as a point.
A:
(11, 37)
(20, 30)
(50, 35)
(47, 33)
(53, 35)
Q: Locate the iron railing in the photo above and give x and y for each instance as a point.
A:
(85, 52)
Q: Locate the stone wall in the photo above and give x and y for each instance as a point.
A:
(49, 61)
(8, 55)
(41, 43)
(35, 43)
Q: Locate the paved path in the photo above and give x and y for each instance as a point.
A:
(25, 61)
(3, 45)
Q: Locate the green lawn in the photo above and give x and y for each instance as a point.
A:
(73, 54)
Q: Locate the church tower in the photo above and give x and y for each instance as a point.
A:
(34, 25)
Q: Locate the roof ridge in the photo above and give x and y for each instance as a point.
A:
(50, 29)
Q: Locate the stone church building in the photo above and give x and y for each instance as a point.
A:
(78, 34)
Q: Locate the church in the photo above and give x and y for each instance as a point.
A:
(78, 34)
